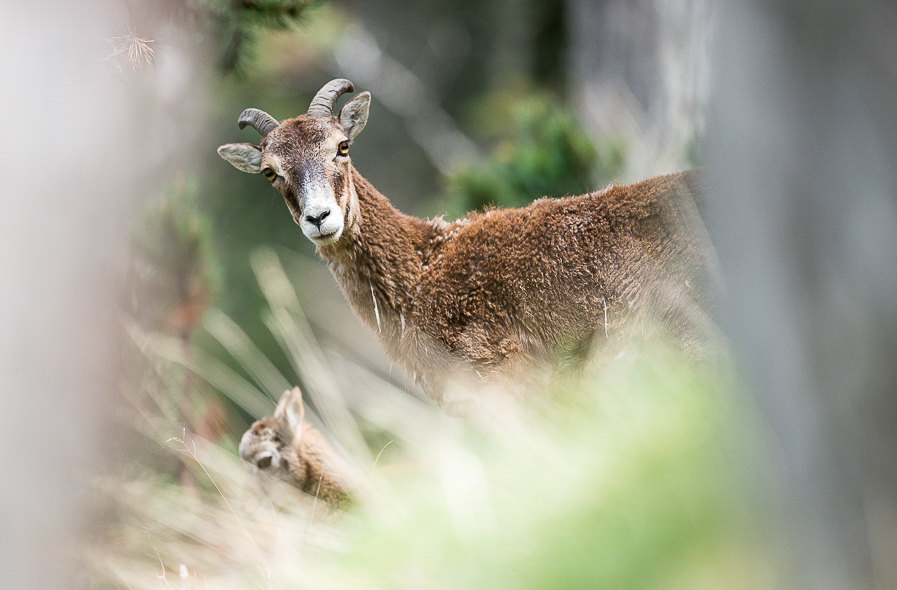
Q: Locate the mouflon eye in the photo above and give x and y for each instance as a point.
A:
(269, 174)
(343, 148)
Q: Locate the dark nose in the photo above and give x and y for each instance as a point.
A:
(319, 219)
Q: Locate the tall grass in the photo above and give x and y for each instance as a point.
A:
(634, 477)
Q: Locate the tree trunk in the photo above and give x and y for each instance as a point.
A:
(640, 71)
(805, 219)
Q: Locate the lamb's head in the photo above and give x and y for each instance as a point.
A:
(266, 444)
(307, 159)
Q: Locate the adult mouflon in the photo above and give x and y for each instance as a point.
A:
(493, 294)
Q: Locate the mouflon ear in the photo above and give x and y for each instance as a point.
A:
(243, 156)
(290, 414)
(354, 114)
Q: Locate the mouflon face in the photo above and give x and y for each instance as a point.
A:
(307, 159)
(266, 444)
(263, 447)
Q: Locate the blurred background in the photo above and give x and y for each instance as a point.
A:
(151, 292)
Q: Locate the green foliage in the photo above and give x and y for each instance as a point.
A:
(630, 488)
(544, 153)
(237, 23)
(173, 270)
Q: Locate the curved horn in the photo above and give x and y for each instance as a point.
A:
(259, 120)
(322, 103)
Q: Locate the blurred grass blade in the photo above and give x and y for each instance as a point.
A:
(381, 403)
(277, 288)
(213, 371)
(238, 344)
(290, 327)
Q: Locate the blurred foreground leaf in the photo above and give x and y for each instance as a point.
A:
(634, 479)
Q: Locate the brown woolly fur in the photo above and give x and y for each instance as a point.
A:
(286, 446)
(493, 295)
(503, 289)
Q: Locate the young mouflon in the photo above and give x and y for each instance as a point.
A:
(488, 296)
(286, 446)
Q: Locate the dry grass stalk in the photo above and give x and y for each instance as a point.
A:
(135, 49)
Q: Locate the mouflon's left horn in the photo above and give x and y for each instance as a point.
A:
(322, 103)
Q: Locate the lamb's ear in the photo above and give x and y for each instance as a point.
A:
(243, 156)
(290, 413)
(354, 114)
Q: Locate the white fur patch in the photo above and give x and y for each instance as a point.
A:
(376, 311)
